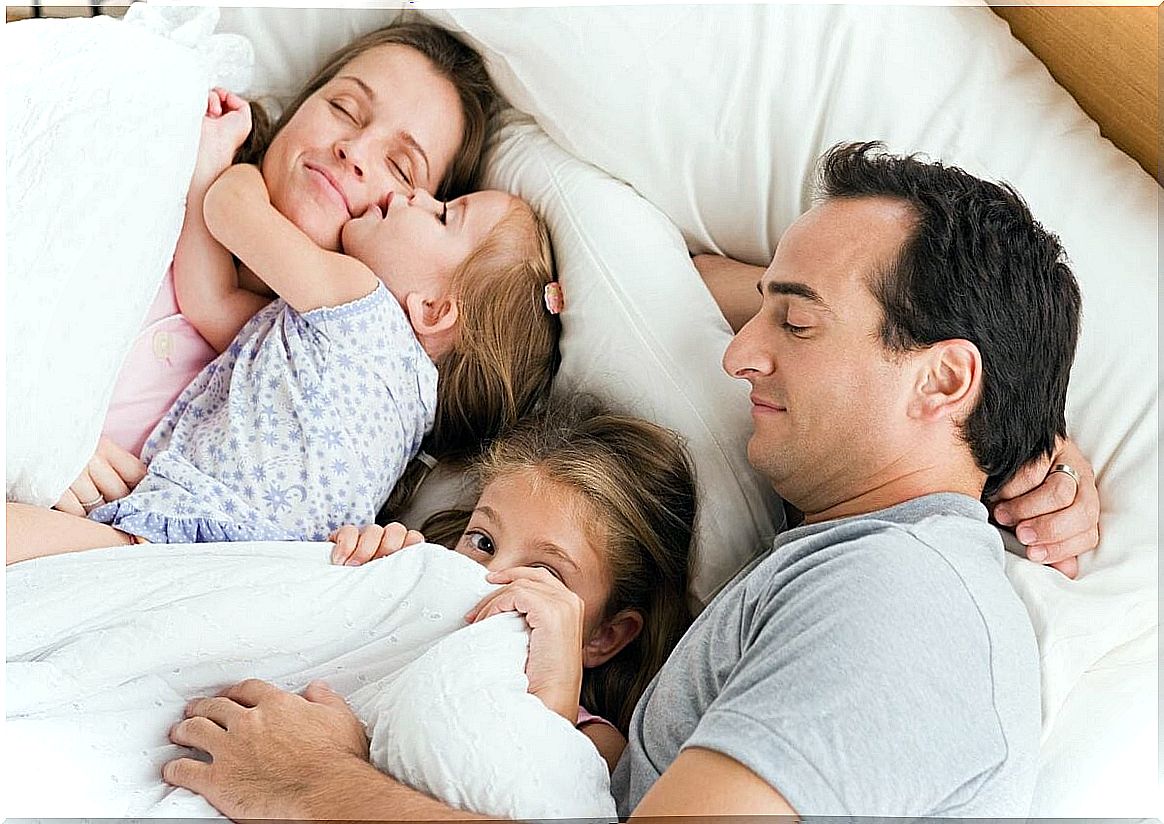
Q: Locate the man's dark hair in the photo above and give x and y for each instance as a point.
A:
(977, 266)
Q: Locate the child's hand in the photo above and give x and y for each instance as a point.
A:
(554, 615)
(225, 126)
(354, 546)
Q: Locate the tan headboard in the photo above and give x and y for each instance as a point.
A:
(1108, 57)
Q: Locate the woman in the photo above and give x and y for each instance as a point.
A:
(422, 124)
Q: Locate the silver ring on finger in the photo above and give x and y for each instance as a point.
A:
(89, 506)
(1069, 471)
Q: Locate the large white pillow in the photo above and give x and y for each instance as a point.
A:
(639, 328)
(716, 114)
(99, 155)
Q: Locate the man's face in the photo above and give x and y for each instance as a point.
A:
(828, 401)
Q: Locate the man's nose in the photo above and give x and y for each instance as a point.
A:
(747, 356)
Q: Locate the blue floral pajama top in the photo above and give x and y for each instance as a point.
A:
(305, 423)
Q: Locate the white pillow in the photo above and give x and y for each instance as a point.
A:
(716, 115)
(102, 131)
(291, 44)
(639, 328)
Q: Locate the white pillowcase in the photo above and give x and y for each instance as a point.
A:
(639, 328)
(102, 132)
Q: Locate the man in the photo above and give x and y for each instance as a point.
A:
(910, 354)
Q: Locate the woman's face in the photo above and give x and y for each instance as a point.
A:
(387, 122)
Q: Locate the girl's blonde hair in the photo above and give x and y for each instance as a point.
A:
(505, 353)
(638, 485)
(457, 62)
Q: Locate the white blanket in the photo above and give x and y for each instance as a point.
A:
(105, 647)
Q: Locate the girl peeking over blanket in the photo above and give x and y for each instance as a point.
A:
(587, 518)
(434, 328)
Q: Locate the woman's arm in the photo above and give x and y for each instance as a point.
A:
(205, 275)
(240, 216)
(34, 532)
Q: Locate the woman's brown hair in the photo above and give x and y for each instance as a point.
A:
(453, 60)
(638, 485)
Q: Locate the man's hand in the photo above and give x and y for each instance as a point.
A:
(110, 474)
(1050, 516)
(271, 749)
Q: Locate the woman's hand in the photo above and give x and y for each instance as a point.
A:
(110, 474)
(554, 615)
(1054, 519)
(355, 546)
(225, 126)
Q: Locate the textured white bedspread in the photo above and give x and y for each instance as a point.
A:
(105, 647)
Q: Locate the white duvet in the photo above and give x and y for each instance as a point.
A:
(105, 647)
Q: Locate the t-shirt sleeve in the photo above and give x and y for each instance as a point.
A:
(375, 323)
(370, 339)
(867, 689)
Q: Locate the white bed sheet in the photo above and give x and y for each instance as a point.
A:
(105, 647)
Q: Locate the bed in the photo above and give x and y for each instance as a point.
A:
(728, 109)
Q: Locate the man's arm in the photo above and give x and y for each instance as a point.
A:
(240, 216)
(707, 783)
(733, 285)
(282, 756)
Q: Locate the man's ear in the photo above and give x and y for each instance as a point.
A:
(430, 317)
(949, 381)
(611, 636)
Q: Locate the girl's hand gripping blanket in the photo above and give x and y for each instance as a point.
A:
(104, 648)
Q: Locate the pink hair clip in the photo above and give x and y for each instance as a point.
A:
(554, 301)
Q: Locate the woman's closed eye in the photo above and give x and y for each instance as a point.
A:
(401, 173)
(344, 109)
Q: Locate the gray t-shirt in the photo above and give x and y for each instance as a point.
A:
(875, 665)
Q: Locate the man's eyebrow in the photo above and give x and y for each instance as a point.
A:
(798, 290)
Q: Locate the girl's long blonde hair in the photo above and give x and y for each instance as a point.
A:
(504, 355)
(638, 485)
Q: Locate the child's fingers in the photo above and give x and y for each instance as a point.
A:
(213, 104)
(392, 538)
(508, 576)
(366, 546)
(234, 102)
(495, 604)
(471, 615)
(345, 542)
(413, 537)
